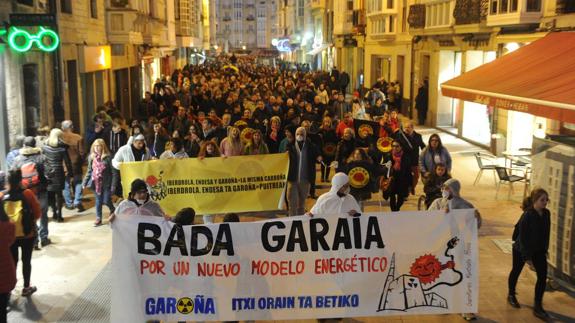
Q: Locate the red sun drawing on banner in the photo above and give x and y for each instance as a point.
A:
(427, 268)
(151, 180)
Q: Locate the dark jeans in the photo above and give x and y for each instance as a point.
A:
(104, 198)
(396, 201)
(421, 116)
(540, 263)
(4, 297)
(27, 246)
(56, 201)
(116, 183)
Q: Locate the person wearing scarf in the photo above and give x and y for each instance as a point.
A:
(401, 177)
(99, 177)
(302, 156)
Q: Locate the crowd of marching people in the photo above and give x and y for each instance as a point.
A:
(231, 107)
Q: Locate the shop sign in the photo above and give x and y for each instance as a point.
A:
(95, 58)
(22, 40)
(32, 19)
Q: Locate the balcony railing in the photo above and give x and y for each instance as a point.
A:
(470, 11)
(416, 18)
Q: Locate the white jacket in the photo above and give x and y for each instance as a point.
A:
(332, 204)
(129, 207)
(124, 154)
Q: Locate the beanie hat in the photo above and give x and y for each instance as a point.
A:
(454, 185)
(138, 185)
(139, 137)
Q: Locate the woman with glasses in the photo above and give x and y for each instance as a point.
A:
(435, 153)
(401, 177)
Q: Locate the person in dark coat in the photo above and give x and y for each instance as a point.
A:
(401, 177)
(345, 147)
(303, 155)
(115, 138)
(328, 147)
(56, 154)
(421, 102)
(531, 243)
(434, 184)
(343, 82)
(192, 142)
(157, 140)
(411, 142)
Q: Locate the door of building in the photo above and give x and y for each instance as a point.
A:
(72, 77)
(31, 99)
(122, 82)
(135, 83)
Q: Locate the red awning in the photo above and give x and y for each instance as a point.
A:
(538, 78)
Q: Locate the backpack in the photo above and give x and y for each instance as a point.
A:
(30, 175)
(20, 214)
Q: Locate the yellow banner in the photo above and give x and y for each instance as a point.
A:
(213, 185)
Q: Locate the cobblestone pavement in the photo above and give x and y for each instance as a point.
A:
(71, 275)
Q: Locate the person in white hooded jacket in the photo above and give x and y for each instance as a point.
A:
(134, 150)
(452, 200)
(337, 201)
(138, 203)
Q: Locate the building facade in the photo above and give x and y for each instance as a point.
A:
(244, 24)
(28, 93)
(349, 34)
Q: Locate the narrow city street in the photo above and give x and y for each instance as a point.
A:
(73, 274)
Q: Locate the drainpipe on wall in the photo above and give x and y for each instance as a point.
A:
(4, 137)
(58, 102)
(412, 75)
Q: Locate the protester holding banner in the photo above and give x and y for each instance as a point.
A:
(303, 155)
(344, 149)
(289, 132)
(401, 177)
(329, 147)
(337, 201)
(256, 146)
(209, 149)
(531, 243)
(232, 144)
(138, 202)
(99, 177)
(192, 142)
(134, 150)
(451, 200)
(175, 151)
(274, 135)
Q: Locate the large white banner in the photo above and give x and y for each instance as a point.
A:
(374, 265)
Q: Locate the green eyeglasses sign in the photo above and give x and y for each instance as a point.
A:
(21, 40)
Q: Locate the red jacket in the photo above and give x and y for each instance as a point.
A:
(7, 268)
(341, 128)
